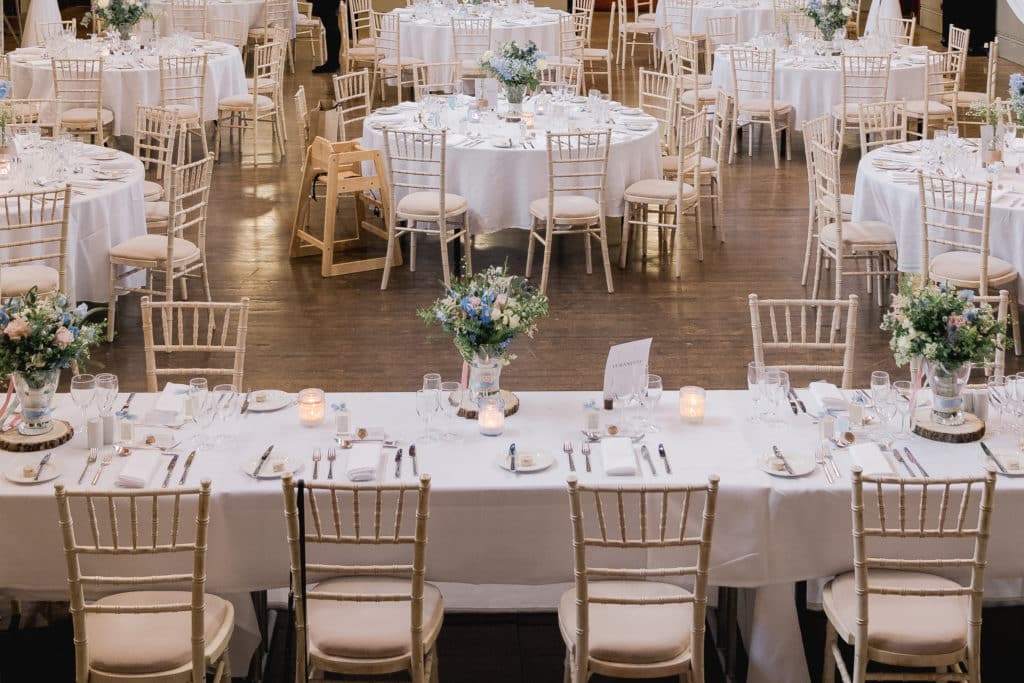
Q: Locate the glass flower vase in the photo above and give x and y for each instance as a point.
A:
(485, 376)
(515, 95)
(35, 392)
(947, 383)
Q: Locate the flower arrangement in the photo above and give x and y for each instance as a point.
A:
(486, 311)
(40, 334)
(120, 15)
(941, 325)
(986, 111)
(1017, 96)
(5, 111)
(513, 65)
(828, 15)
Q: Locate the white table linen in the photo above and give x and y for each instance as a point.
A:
(128, 81)
(753, 17)
(813, 85)
(492, 530)
(39, 12)
(249, 13)
(500, 183)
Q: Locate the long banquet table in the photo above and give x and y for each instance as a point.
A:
(494, 533)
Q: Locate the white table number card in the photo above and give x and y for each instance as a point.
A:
(622, 360)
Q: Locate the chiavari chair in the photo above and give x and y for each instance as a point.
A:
(657, 93)
(865, 80)
(246, 112)
(190, 16)
(155, 132)
(34, 241)
(471, 38)
(352, 103)
(997, 366)
(277, 14)
(78, 90)
(354, 54)
(303, 115)
(560, 74)
(595, 57)
(693, 88)
(966, 98)
(882, 124)
(942, 70)
(309, 30)
(633, 33)
(822, 131)
(721, 31)
(37, 112)
(45, 30)
(360, 13)
(390, 62)
(183, 90)
(900, 31)
(753, 78)
(227, 30)
(435, 78)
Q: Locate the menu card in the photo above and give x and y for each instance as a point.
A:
(622, 361)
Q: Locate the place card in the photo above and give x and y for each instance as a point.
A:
(623, 360)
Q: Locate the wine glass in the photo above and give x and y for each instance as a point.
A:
(997, 399)
(902, 393)
(885, 407)
(773, 391)
(106, 393)
(225, 404)
(655, 388)
(426, 406)
(204, 411)
(879, 384)
(450, 399)
(432, 380)
(83, 390)
(755, 384)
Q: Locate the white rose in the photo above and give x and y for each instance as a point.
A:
(102, 4)
(847, 12)
(488, 54)
(542, 63)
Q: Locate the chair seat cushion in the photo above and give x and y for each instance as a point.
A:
(370, 630)
(365, 53)
(156, 212)
(567, 207)
(303, 20)
(244, 102)
(265, 85)
(15, 280)
(860, 234)
(670, 164)
(903, 624)
(639, 27)
(406, 61)
(83, 116)
(647, 16)
(690, 96)
(152, 192)
(367, 41)
(184, 111)
(965, 266)
(762, 106)
(652, 190)
(934, 108)
(631, 634)
(702, 80)
(965, 98)
(428, 203)
(139, 644)
(852, 111)
(154, 248)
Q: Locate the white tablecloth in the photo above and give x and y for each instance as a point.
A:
(753, 18)
(39, 12)
(430, 39)
(249, 13)
(501, 183)
(882, 9)
(123, 88)
(489, 526)
(813, 85)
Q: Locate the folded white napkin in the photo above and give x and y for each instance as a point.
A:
(870, 458)
(824, 396)
(363, 462)
(138, 469)
(170, 406)
(618, 456)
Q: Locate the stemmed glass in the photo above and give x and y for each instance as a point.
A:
(106, 393)
(426, 406)
(773, 392)
(997, 399)
(83, 390)
(450, 399)
(755, 384)
(655, 388)
(902, 392)
(225, 404)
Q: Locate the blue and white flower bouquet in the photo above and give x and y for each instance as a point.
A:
(514, 67)
(828, 15)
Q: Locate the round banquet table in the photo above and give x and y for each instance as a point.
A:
(500, 183)
(887, 191)
(813, 84)
(128, 80)
(753, 17)
(105, 210)
(428, 35)
(249, 13)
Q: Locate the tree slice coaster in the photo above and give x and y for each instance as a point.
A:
(19, 443)
(468, 408)
(973, 428)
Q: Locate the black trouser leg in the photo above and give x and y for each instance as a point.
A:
(332, 36)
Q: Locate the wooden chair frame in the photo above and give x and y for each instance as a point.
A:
(233, 118)
(882, 124)
(34, 231)
(434, 78)
(183, 89)
(48, 29)
(353, 53)
(865, 81)
(595, 56)
(390, 62)
(310, 31)
(900, 31)
(78, 84)
(352, 101)
(753, 77)
(629, 33)
(471, 37)
(720, 31)
(190, 16)
(153, 143)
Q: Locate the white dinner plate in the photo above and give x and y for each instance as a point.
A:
(527, 460)
(903, 148)
(111, 173)
(638, 125)
(801, 463)
(273, 468)
(268, 400)
(1012, 460)
(15, 474)
(105, 155)
(630, 111)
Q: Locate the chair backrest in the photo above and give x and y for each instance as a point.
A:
(387, 30)
(340, 517)
(183, 82)
(795, 23)
(183, 330)
(624, 525)
(958, 39)
(641, 7)
(721, 30)
(416, 162)
(434, 78)
(189, 16)
(990, 69)
(78, 84)
(753, 75)
(658, 98)
(689, 131)
(679, 17)
(560, 74)
(188, 200)
(881, 124)
(865, 80)
(471, 38)
(577, 164)
(155, 133)
(583, 11)
(809, 329)
(150, 540)
(34, 230)
(955, 215)
(920, 525)
(900, 31)
(787, 6)
(570, 41)
(227, 30)
(720, 130)
(24, 111)
(278, 14)
(266, 67)
(302, 113)
(51, 29)
(352, 100)
(361, 14)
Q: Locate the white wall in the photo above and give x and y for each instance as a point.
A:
(1011, 33)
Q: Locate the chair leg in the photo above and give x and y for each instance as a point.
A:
(605, 256)
(1015, 323)
(807, 247)
(817, 274)
(531, 245)
(467, 238)
(389, 257)
(828, 670)
(112, 304)
(588, 249)
(442, 228)
(700, 231)
(677, 247)
(627, 219)
(412, 249)
(549, 243)
(775, 141)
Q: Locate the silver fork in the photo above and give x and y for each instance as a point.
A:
(830, 456)
(819, 458)
(586, 453)
(316, 462)
(88, 464)
(331, 457)
(103, 465)
(899, 458)
(567, 449)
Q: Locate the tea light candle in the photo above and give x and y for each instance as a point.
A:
(311, 407)
(528, 119)
(540, 106)
(691, 404)
(491, 415)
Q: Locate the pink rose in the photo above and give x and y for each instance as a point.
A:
(17, 328)
(63, 337)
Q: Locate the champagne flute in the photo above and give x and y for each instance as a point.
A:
(106, 393)
(997, 397)
(83, 390)
(426, 406)
(772, 392)
(755, 385)
(655, 388)
(226, 406)
(450, 398)
(902, 392)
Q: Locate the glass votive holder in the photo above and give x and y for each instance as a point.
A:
(691, 405)
(490, 415)
(311, 407)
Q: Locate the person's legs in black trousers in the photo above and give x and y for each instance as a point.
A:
(332, 36)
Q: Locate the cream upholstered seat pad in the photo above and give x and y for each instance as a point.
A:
(652, 190)
(595, 53)
(852, 111)
(367, 41)
(154, 248)
(934, 108)
(568, 207)
(370, 630)
(690, 96)
(152, 191)
(703, 81)
(406, 61)
(965, 98)
(184, 111)
(901, 624)
(965, 266)
(859, 233)
(631, 634)
(148, 643)
(763, 106)
(428, 203)
(156, 212)
(670, 164)
(83, 116)
(15, 280)
(363, 52)
(244, 102)
(266, 84)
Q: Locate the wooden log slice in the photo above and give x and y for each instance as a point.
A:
(19, 443)
(973, 428)
(468, 409)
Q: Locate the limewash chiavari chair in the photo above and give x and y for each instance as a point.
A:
(865, 80)
(179, 253)
(795, 23)
(160, 635)
(226, 30)
(309, 30)
(246, 112)
(679, 18)
(818, 130)
(956, 217)
(891, 608)
(809, 333)
(657, 92)
(153, 145)
(360, 13)
(198, 331)
(353, 54)
(711, 165)
(693, 88)
(577, 175)
(571, 41)
(900, 31)
(720, 31)
(471, 38)
(362, 619)
(672, 199)
(958, 39)
(417, 164)
(965, 98)
(643, 10)
(625, 619)
(435, 78)
(595, 57)
(352, 102)
(881, 124)
(45, 30)
(34, 241)
(630, 34)
(31, 112)
(869, 245)
(276, 14)
(753, 78)
(78, 90)
(183, 90)
(559, 74)
(189, 16)
(390, 62)
(302, 114)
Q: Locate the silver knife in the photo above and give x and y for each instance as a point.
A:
(412, 457)
(512, 457)
(42, 464)
(647, 456)
(792, 401)
(803, 407)
(912, 459)
(127, 402)
(664, 458)
(992, 455)
(188, 464)
(263, 459)
(398, 464)
(170, 468)
(780, 456)
(245, 403)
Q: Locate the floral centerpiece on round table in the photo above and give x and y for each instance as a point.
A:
(39, 336)
(948, 331)
(484, 313)
(119, 15)
(828, 15)
(516, 69)
(1017, 96)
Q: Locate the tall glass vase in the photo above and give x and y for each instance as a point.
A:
(485, 375)
(514, 94)
(35, 391)
(947, 383)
